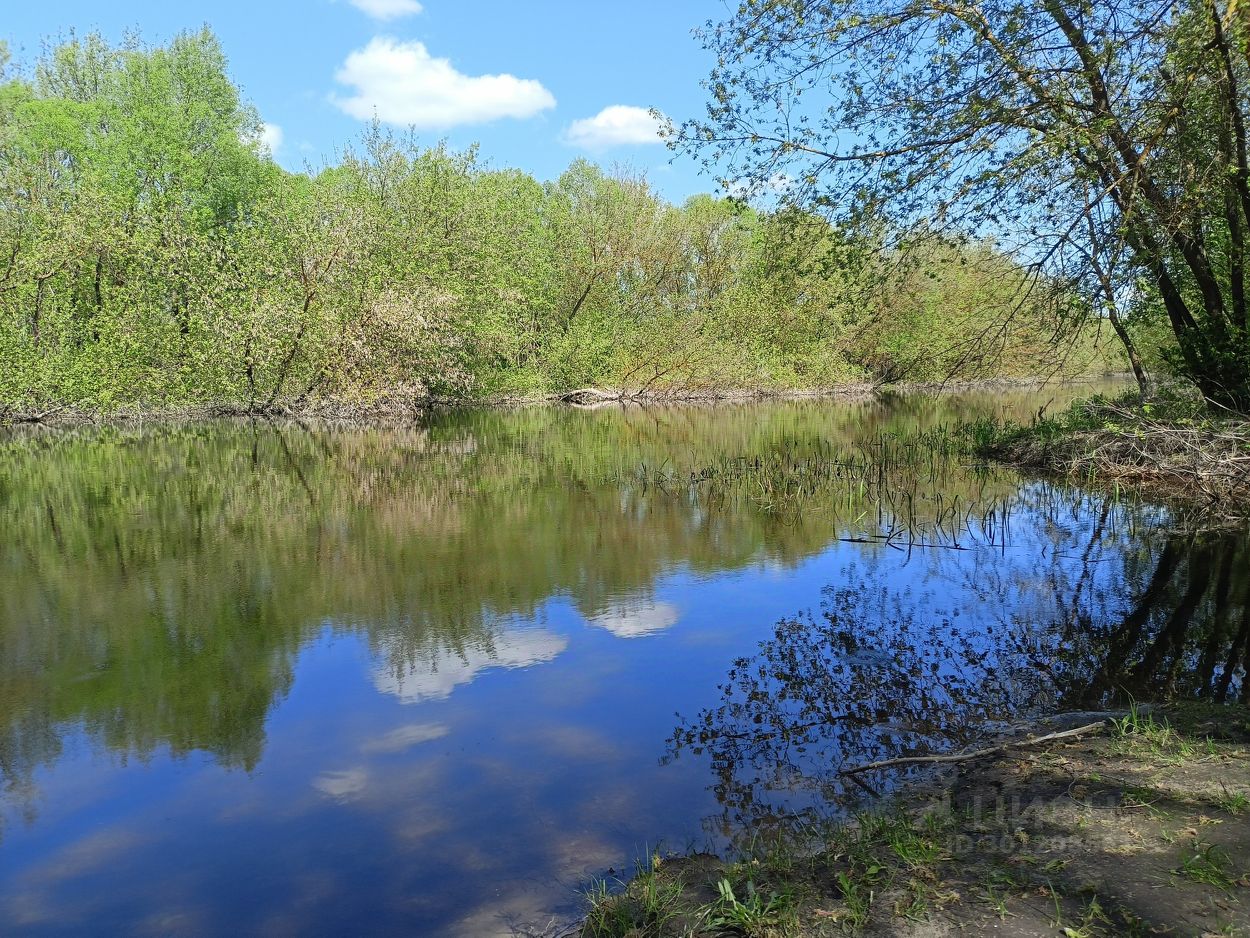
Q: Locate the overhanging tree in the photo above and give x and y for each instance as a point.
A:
(1086, 137)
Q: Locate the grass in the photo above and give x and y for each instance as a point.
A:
(1140, 726)
(860, 861)
(1089, 924)
(1209, 864)
(889, 853)
(754, 914)
(1065, 867)
(998, 901)
(646, 903)
(1234, 802)
(857, 895)
(1140, 733)
(1136, 796)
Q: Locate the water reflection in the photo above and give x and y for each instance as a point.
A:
(421, 675)
(404, 737)
(162, 581)
(634, 619)
(1097, 604)
(435, 677)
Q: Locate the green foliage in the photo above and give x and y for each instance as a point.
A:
(1172, 408)
(152, 253)
(754, 914)
(642, 908)
(1104, 146)
(1209, 864)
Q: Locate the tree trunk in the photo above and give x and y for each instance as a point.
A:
(1130, 347)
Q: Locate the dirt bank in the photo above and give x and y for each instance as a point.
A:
(1139, 828)
(391, 409)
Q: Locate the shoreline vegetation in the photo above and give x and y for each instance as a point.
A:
(1126, 823)
(397, 407)
(1170, 447)
(154, 256)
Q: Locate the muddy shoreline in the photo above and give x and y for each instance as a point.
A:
(391, 410)
(1140, 828)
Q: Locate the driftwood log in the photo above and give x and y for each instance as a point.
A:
(975, 754)
(590, 396)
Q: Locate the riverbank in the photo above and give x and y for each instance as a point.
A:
(391, 409)
(1135, 825)
(1171, 449)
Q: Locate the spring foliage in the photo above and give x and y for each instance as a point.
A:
(1105, 144)
(152, 253)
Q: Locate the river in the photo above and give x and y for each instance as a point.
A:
(258, 677)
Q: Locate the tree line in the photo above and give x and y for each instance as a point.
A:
(152, 253)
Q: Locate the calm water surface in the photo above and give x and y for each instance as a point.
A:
(261, 678)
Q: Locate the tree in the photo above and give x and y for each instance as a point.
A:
(1021, 120)
(618, 263)
(152, 254)
(121, 170)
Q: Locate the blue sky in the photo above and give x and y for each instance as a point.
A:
(536, 83)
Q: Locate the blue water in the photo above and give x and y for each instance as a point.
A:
(264, 679)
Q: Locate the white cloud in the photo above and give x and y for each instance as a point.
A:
(403, 84)
(405, 737)
(634, 620)
(271, 138)
(342, 785)
(437, 678)
(387, 9)
(616, 125)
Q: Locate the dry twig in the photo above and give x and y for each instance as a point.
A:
(976, 754)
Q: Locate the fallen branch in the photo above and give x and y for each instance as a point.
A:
(977, 754)
(904, 545)
(590, 396)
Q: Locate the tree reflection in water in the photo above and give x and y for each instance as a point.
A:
(883, 671)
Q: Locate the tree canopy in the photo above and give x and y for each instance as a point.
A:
(152, 253)
(1101, 145)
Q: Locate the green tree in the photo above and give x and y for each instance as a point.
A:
(1015, 119)
(153, 254)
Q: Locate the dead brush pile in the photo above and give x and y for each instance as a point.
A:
(1203, 461)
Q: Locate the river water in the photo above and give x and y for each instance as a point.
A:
(265, 678)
